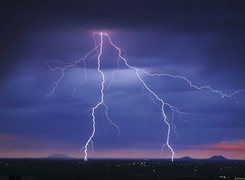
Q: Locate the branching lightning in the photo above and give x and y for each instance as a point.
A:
(154, 97)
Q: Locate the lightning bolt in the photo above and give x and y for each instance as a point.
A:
(154, 97)
(99, 103)
(65, 67)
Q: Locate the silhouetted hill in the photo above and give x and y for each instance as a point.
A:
(217, 158)
(59, 156)
(186, 158)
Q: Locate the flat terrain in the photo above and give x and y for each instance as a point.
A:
(51, 169)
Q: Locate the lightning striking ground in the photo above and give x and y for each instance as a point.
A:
(154, 97)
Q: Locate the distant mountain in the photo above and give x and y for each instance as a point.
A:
(217, 158)
(186, 158)
(59, 156)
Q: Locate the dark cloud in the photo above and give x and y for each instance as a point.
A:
(224, 20)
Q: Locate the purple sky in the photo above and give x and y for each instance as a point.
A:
(203, 41)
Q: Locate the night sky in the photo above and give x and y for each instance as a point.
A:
(201, 40)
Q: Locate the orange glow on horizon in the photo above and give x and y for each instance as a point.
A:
(228, 150)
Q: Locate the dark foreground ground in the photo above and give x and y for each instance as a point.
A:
(51, 169)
